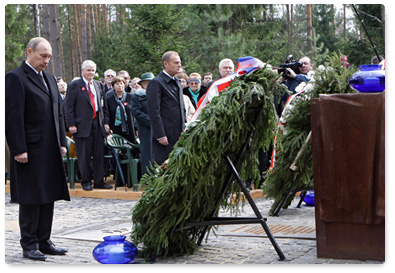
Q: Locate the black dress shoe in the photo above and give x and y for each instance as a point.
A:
(52, 250)
(34, 255)
(86, 187)
(103, 186)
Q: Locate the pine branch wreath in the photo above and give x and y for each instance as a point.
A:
(330, 80)
(190, 187)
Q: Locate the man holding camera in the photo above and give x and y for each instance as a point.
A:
(295, 79)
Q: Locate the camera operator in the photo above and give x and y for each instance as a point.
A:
(294, 79)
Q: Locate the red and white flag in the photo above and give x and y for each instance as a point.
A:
(244, 66)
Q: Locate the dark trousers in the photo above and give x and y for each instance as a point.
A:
(35, 223)
(91, 147)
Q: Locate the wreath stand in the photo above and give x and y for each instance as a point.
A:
(213, 221)
(293, 167)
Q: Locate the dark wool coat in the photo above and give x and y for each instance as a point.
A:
(34, 124)
(140, 112)
(166, 111)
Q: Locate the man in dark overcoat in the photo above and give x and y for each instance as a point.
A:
(36, 137)
(166, 108)
(87, 119)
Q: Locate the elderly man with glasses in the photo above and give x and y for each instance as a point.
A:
(108, 76)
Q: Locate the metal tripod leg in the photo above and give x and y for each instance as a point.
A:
(255, 208)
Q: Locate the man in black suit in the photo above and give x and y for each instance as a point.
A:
(36, 137)
(87, 119)
(166, 108)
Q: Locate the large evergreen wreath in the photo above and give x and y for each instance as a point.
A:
(190, 188)
(331, 79)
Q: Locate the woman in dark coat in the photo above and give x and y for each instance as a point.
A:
(139, 110)
(120, 110)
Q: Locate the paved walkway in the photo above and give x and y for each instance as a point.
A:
(81, 223)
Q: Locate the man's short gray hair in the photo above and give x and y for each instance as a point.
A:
(88, 63)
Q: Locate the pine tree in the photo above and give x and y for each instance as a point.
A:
(18, 23)
(152, 30)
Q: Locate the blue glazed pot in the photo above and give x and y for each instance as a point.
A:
(370, 79)
(115, 250)
(309, 198)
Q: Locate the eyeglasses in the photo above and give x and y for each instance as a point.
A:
(110, 76)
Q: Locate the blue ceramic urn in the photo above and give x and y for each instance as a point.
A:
(371, 78)
(115, 250)
(309, 198)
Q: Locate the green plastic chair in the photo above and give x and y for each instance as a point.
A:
(120, 143)
(70, 162)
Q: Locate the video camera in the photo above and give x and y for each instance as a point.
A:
(291, 63)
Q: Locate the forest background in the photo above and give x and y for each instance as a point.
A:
(133, 37)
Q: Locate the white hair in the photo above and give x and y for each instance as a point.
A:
(109, 71)
(225, 61)
(88, 63)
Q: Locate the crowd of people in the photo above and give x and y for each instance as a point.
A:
(148, 110)
(131, 108)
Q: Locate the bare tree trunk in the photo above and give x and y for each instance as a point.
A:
(37, 28)
(55, 40)
(309, 28)
(46, 24)
(93, 28)
(77, 40)
(97, 12)
(47, 32)
(71, 46)
(104, 18)
(60, 43)
(84, 33)
(88, 31)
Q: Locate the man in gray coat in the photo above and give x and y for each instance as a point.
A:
(166, 108)
(35, 132)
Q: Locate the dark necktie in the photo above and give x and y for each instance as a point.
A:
(42, 78)
(92, 100)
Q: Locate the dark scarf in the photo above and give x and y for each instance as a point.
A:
(120, 113)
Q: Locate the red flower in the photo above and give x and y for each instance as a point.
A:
(83, 88)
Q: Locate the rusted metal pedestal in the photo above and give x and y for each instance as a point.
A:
(349, 175)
